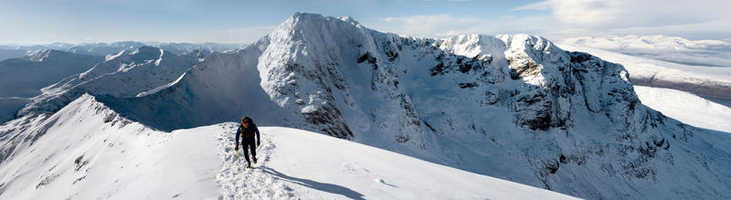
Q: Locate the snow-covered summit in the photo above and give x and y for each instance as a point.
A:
(41, 55)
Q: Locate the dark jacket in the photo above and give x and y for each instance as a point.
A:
(247, 134)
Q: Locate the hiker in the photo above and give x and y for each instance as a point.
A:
(247, 129)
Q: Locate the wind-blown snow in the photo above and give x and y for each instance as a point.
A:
(89, 152)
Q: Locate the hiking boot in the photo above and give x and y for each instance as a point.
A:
(254, 160)
(248, 165)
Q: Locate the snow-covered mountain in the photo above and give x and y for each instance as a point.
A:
(125, 74)
(89, 152)
(176, 48)
(514, 107)
(19, 51)
(509, 106)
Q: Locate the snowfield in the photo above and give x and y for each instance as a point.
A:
(90, 152)
(687, 108)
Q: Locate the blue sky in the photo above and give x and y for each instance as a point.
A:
(43, 21)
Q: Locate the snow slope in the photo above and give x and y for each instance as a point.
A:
(87, 151)
(510, 106)
(687, 108)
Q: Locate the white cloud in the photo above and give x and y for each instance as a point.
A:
(558, 19)
(632, 13)
(543, 5)
(444, 25)
(428, 25)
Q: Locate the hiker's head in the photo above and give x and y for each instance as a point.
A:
(245, 122)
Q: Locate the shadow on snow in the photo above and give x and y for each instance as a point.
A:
(325, 187)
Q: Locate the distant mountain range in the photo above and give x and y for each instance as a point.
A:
(103, 49)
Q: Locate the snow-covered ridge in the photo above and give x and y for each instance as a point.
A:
(40, 55)
(19, 134)
(87, 151)
(510, 106)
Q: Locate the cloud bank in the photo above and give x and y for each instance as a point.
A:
(709, 19)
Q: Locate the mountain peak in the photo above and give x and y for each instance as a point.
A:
(301, 20)
(43, 54)
(146, 53)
